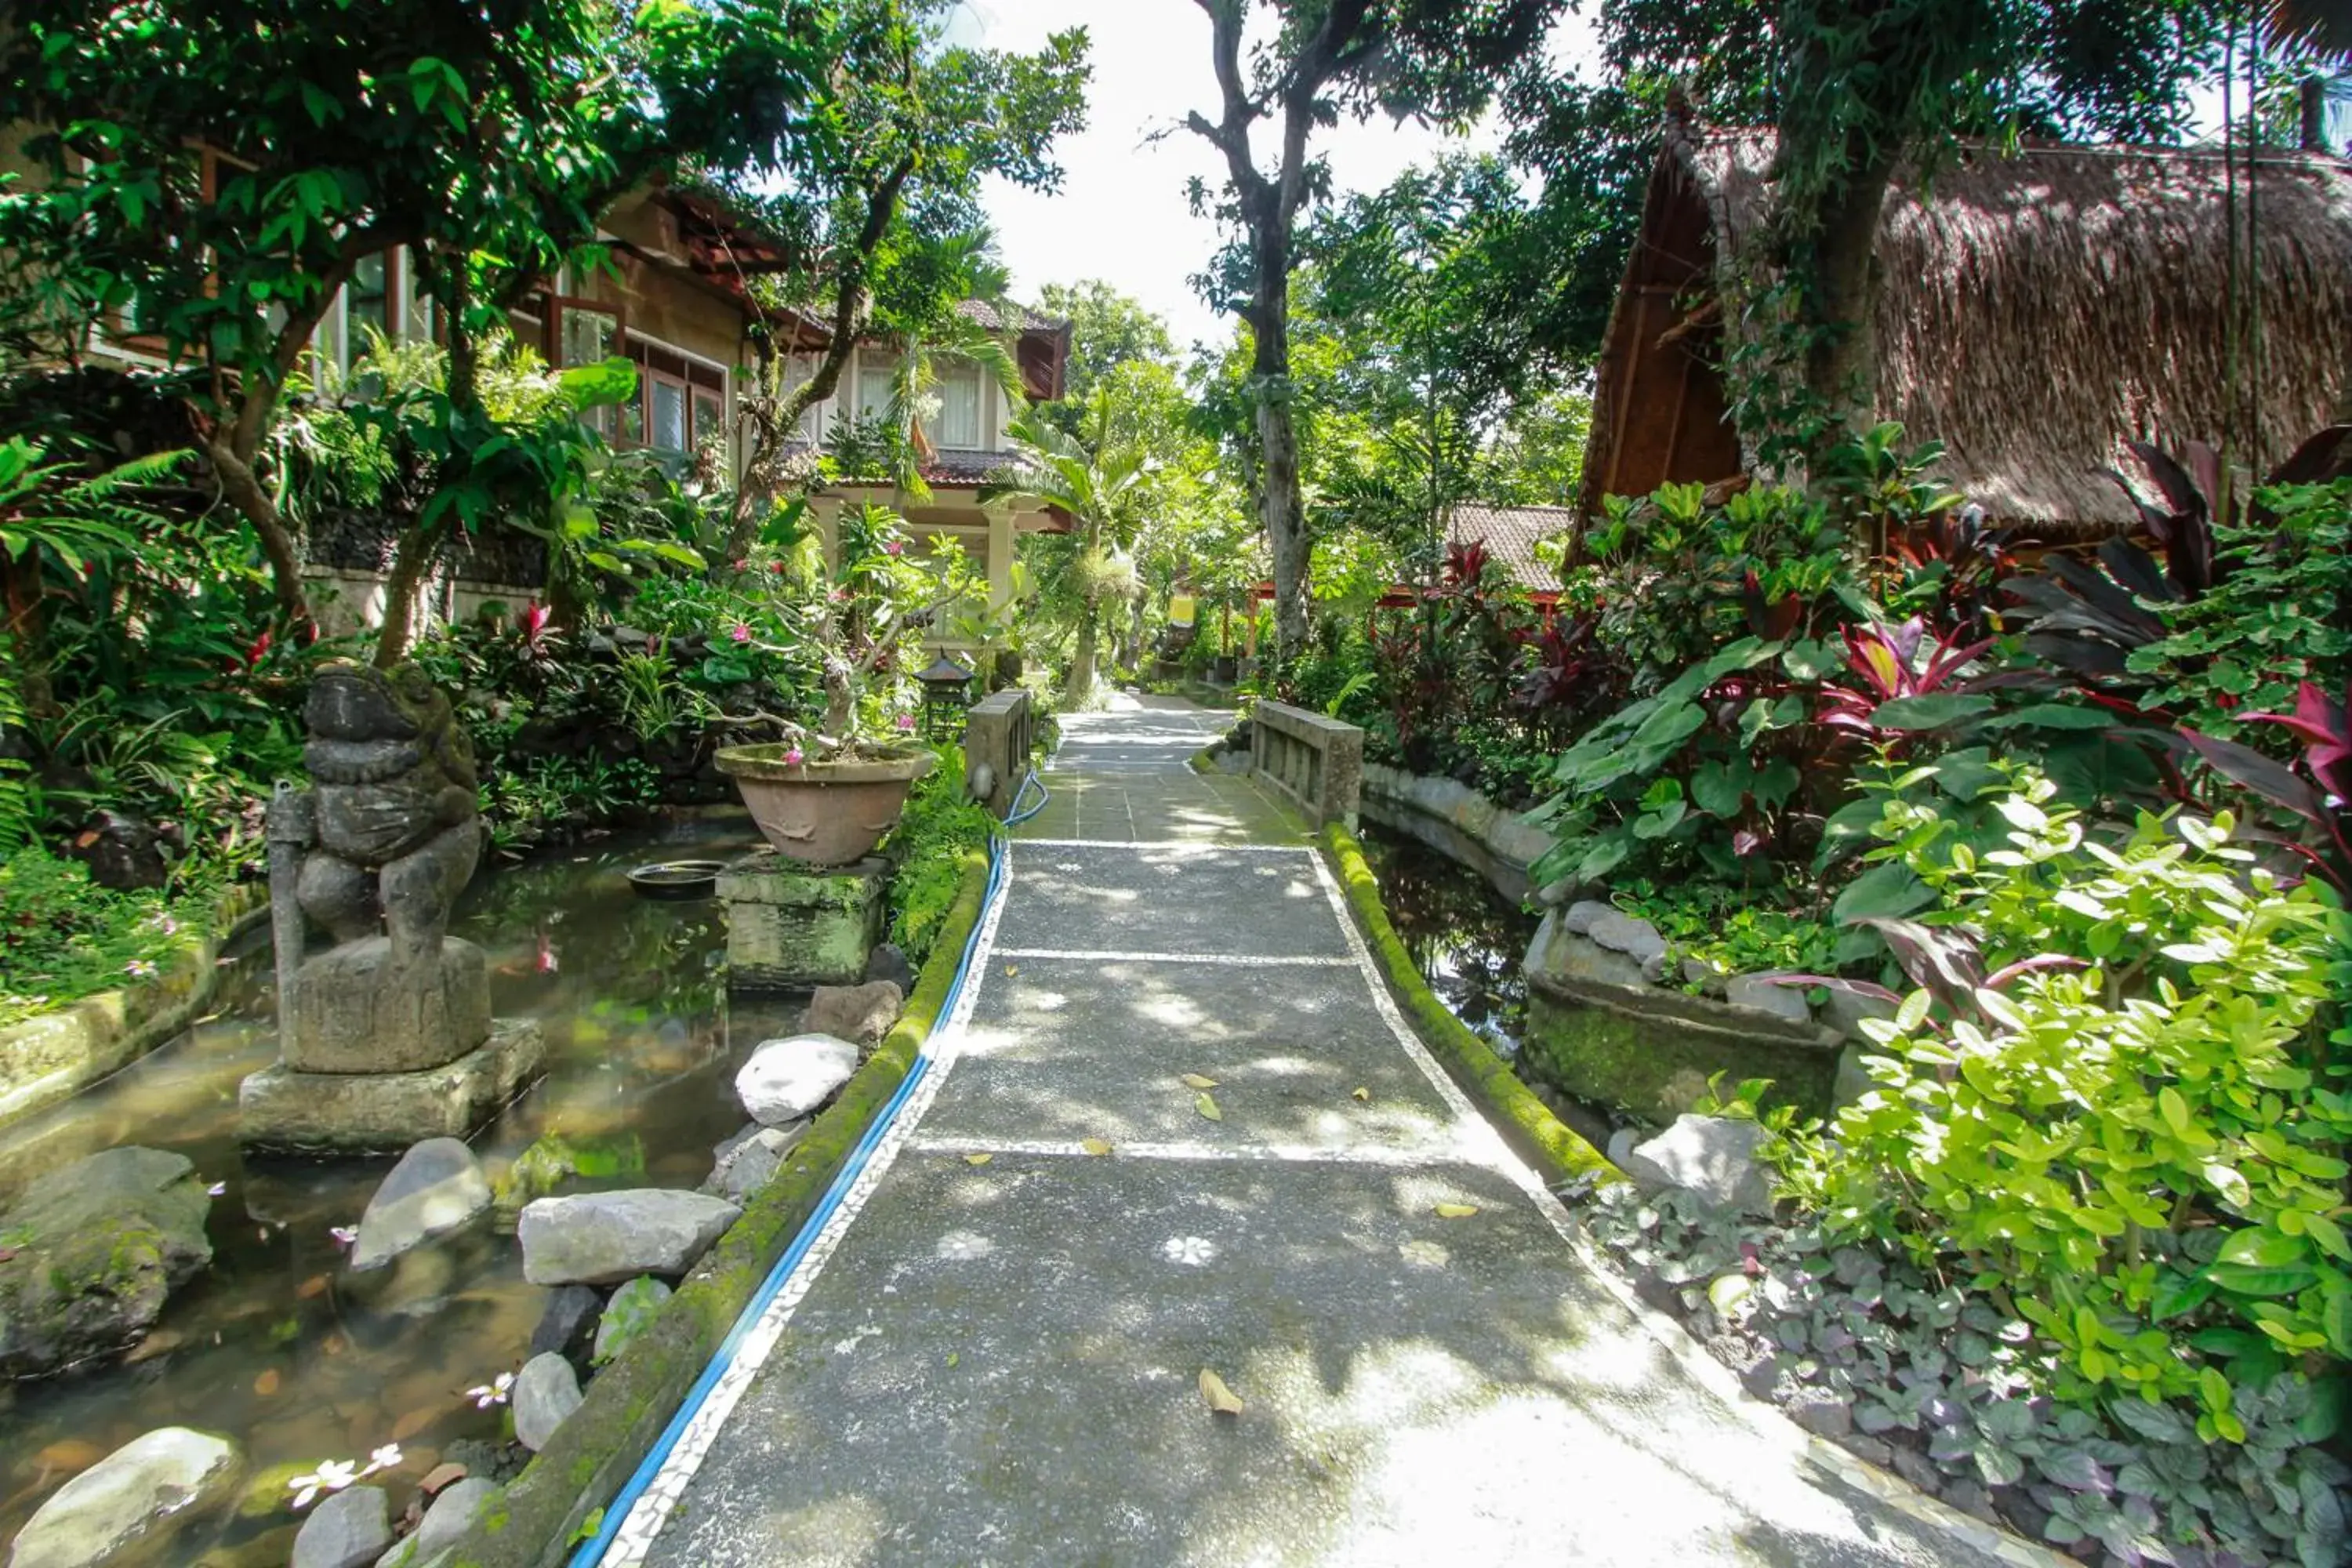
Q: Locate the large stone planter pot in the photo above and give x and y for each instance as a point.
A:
(824, 813)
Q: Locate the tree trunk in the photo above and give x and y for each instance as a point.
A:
(1282, 509)
(411, 559)
(1080, 689)
(244, 491)
(1841, 362)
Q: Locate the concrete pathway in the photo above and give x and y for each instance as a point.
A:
(994, 1355)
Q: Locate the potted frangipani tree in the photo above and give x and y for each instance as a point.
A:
(826, 795)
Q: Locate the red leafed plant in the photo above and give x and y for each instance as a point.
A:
(1882, 664)
(2317, 789)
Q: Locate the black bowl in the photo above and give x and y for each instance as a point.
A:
(678, 878)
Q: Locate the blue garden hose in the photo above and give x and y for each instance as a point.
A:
(1017, 816)
(591, 1551)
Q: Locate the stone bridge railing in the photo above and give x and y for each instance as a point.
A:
(1317, 761)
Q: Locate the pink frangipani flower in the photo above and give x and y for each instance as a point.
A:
(793, 756)
(740, 632)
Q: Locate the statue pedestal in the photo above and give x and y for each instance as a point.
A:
(357, 1012)
(791, 926)
(282, 1110)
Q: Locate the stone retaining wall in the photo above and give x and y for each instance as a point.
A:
(56, 1056)
(1458, 823)
(1604, 1020)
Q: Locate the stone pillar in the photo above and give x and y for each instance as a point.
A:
(791, 925)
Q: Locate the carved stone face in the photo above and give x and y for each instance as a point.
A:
(360, 703)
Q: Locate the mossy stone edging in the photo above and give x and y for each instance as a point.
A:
(542, 1515)
(1525, 1122)
(1457, 822)
(60, 1053)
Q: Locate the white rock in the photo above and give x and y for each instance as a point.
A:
(348, 1530)
(123, 1505)
(437, 1187)
(603, 1239)
(785, 1079)
(1713, 1156)
(546, 1392)
(444, 1525)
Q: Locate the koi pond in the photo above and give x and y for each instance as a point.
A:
(278, 1344)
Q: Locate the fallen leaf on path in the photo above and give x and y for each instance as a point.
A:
(1195, 1080)
(1094, 1145)
(1361, 1092)
(1456, 1210)
(314, 1286)
(1012, 969)
(954, 1356)
(267, 1383)
(978, 1159)
(1207, 1107)
(1222, 1400)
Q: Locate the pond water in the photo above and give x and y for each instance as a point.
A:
(1469, 942)
(276, 1345)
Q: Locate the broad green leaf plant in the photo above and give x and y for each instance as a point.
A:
(2110, 1110)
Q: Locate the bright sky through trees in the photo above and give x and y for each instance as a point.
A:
(1121, 213)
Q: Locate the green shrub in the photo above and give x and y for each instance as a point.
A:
(927, 850)
(2105, 1103)
(63, 937)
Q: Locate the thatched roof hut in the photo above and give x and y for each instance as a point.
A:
(2035, 311)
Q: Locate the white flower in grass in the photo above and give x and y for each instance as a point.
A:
(140, 969)
(345, 1235)
(332, 1476)
(1190, 1250)
(492, 1393)
(385, 1458)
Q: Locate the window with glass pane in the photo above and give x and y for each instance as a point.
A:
(874, 385)
(799, 371)
(709, 417)
(367, 305)
(588, 335)
(959, 407)
(669, 410)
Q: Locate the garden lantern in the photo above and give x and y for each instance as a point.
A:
(947, 694)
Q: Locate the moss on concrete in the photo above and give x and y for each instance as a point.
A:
(593, 1452)
(1525, 1122)
(56, 1054)
(1657, 1067)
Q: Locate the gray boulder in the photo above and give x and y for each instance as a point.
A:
(888, 962)
(1844, 1011)
(437, 1187)
(1760, 993)
(749, 1160)
(1713, 1156)
(1578, 917)
(785, 1079)
(568, 1325)
(349, 1530)
(123, 1508)
(95, 1248)
(546, 1392)
(628, 1314)
(603, 1239)
(444, 1523)
(1559, 955)
(860, 1013)
(1637, 940)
